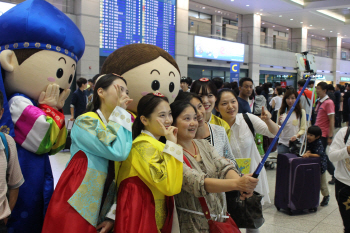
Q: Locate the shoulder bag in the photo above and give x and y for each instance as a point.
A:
(229, 226)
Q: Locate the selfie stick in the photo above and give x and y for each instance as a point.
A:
(261, 164)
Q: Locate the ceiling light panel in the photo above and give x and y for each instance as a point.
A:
(333, 15)
(300, 2)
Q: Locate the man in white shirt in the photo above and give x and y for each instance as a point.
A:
(340, 152)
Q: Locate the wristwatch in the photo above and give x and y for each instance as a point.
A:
(330, 137)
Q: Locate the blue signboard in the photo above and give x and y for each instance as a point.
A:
(234, 72)
(218, 49)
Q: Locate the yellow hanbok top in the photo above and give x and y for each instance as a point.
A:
(159, 166)
(218, 121)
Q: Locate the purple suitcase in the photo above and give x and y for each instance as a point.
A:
(297, 183)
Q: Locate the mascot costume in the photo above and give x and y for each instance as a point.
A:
(39, 50)
(147, 69)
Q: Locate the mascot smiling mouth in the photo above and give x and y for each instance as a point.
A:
(61, 90)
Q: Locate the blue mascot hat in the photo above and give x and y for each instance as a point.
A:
(38, 24)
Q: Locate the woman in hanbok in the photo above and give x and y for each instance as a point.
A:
(242, 140)
(152, 174)
(209, 175)
(97, 137)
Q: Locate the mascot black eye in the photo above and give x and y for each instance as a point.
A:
(59, 73)
(171, 87)
(70, 78)
(155, 85)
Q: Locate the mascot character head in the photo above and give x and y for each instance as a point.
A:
(39, 45)
(147, 69)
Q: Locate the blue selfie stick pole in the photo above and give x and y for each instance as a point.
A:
(261, 164)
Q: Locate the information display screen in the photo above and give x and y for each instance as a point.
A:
(218, 49)
(124, 22)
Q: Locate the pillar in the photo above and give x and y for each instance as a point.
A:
(299, 36)
(181, 46)
(216, 26)
(87, 19)
(252, 24)
(269, 37)
(334, 47)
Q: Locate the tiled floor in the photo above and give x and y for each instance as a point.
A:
(325, 220)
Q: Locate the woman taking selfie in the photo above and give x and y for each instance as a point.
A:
(242, 138)
(205, 174)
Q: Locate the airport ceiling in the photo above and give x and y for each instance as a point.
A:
(322, 18)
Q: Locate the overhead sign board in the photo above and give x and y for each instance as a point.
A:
(209, 48)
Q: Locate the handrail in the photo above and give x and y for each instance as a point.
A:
(320, 51)
(279, 43)
(200, 28)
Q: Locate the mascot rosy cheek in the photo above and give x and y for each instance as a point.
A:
(147, 69)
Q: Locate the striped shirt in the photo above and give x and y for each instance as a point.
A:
(15, 177)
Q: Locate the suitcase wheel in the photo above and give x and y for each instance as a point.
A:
(313, 210)
(290, 211)
(278, 208)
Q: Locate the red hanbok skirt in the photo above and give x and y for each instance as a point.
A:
(136, 209)
(61, 216)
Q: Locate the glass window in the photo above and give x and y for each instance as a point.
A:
(218, 73)
(225, 21)
(230, 21)
(204, 16)
(206, 73)
(227, 76)
(282, 34)
(193, 14)
(343, 55)
(289, 78)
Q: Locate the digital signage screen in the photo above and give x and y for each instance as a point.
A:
(124, 22)
(218, 49)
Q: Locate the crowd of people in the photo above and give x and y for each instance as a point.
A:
(148, 174)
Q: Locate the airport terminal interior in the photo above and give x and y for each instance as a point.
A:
(204, 41)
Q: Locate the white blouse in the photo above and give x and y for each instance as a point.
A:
(293, 126)
(278, 102)
(338, 154)
(243, 145)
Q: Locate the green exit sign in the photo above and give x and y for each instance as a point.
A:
(345, 79)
